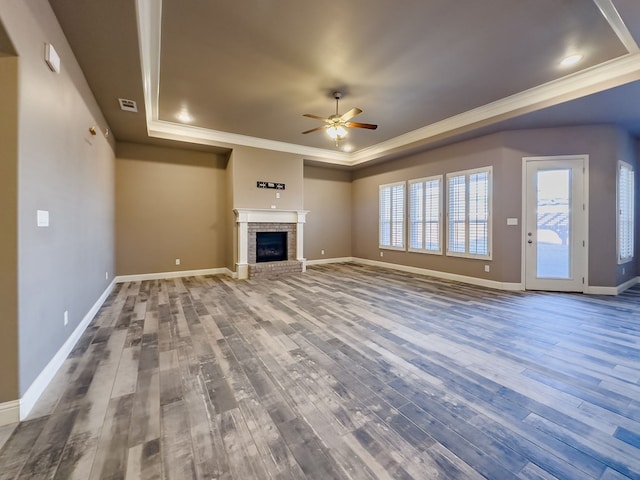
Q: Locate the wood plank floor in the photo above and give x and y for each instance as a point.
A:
(345, 372)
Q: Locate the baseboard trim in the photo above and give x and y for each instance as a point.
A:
(515, 287)
(184, 273)
(326, 261)
(481, 282)
(9, 412)
(34, 391)
(628, 284)
(511, 287)
(593, 290)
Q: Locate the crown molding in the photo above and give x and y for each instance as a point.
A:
(613, 73)
(206, 136)
(612, 16)
(607, 75)
(149, 19)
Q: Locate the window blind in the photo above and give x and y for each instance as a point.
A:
(416, 218)
(456, 240)
(626, 212)
(392, 215)
(479, 213)
(385, 216)
(397, 216)
(432, 213)
(469, 213)
(425, 214)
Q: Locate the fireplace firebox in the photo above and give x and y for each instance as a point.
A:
(271, 246)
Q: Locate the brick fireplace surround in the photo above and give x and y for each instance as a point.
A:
(251, 221)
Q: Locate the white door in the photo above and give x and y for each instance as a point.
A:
(555, 231)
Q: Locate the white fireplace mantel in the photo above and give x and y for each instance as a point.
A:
(252, 215)
(245, 216)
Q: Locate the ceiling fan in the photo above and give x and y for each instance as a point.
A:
(337, 124)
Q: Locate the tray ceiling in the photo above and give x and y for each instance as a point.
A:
(245, 72)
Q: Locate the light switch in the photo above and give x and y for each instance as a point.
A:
(512, 221)
(43, 218)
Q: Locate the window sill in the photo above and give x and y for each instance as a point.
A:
(469, 255)
(427, 252)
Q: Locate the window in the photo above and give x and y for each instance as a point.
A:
(425, 215)
(392, 198)
(469, 213)
(625, 212)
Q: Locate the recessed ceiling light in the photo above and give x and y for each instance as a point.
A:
(347, 148)
(571, 60)
(184, 117)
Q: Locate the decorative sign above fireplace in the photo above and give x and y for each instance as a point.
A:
(277, 186)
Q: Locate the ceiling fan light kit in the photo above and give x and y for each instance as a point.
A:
(337, 125)
(337, 132)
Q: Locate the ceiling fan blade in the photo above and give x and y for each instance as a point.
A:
(316, 117)
(350, 114)
(370, 126)
(323, 127)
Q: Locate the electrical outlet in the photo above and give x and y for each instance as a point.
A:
(177, 261)
(66, 317)
(487, 268)
(382, 254)
(277, 194)
(321, 252)
(106, 275)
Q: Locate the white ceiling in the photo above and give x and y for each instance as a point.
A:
(425, 72)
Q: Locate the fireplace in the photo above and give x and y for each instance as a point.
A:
(251, 223)
(271, 246)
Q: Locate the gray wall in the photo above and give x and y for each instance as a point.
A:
(9, 229)
(637, 196)
(170, 203)
(327, 196)
(246, 167)
(600, 143)
(252, 164)
(504, 151)
(174, 203)
(627, 153)
(483, 152)
(232, 239)
(62, 169)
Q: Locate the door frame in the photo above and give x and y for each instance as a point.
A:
(585, 198)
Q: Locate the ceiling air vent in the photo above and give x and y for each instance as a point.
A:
(128, 105)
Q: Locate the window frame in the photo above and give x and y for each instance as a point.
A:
(423, 222)
(631, 214)
(391, 219)
(466, 174)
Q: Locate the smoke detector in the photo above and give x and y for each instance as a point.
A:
(128, 105)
